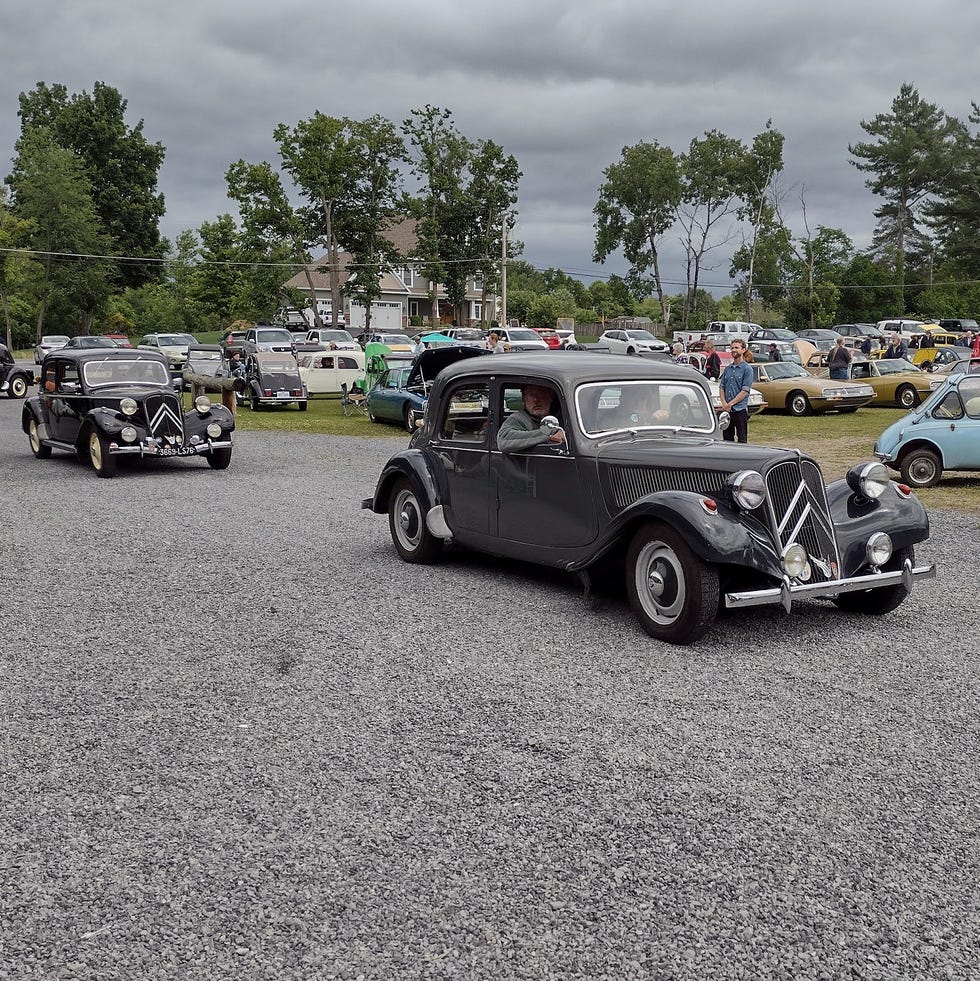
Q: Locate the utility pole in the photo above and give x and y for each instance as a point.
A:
(503, 274)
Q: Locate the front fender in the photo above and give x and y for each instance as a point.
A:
(107, 421)
(412, 464)
(856, 518)
(722, 537)
(31, 410)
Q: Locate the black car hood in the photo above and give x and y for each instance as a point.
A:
(430, 362)
(687, 452)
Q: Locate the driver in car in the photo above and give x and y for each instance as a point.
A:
(522, 429)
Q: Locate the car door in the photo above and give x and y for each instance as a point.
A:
(536, 495)
(462, 447)
(954, 425)
(65, 404)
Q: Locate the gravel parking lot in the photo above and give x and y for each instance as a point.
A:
(241, 739)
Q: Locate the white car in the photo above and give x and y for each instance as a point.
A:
(333, 338)
(632, 342)
(522, 339)
(566, 336)
(172, 346)
(757, 401)
(323, 372)
(50, 342)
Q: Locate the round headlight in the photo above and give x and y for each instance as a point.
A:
(794, 560)
(203, 404)
(128, 407)
(748, 489)
(128, 434)
(869, 479)
(879, 548)
(214, 430)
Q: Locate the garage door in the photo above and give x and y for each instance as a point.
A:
(385, 315)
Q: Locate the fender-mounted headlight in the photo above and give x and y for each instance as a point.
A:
(128, 407)
(869, 479)
(747, 488)
(203, 404)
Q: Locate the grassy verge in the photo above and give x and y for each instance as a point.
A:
(323, 415)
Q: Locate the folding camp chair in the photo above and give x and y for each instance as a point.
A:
(352, 401)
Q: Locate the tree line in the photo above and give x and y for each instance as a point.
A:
(81, 249)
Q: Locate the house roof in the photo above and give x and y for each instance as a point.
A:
(403, 237)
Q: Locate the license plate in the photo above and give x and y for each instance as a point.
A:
(282, 394)
(176, 451)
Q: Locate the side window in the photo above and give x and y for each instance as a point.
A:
(67, 375)
(466, 413)
(346, 363)
(950, 407)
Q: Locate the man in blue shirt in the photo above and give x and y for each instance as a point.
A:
(736, 384)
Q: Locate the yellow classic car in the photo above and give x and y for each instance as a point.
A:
(788, 387)
(929, 357)
(895, 381)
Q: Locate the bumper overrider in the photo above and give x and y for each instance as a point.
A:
(788, 590)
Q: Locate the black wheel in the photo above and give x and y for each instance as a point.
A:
(798, 404)
(907, 397)
(672, 593)
(254, 403)
(41, 451)
(878, 602)
(631, 350)
(103, 463)
(302, 406)
(406, 518)
(372, 416)
(17, 388)
(921, 467)
(410, 418)
(219, 459)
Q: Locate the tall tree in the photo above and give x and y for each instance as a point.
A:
(14, 234)
(956, 213)
(441, 158)
(637, 205)
(762, 164)
(910, 160)
(52, 191)
(375, 203)
(323, 156)
(122, 167)
(712, 169)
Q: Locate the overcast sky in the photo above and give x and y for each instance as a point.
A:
(564, 85)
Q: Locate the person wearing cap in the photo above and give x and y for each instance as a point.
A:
(774, 354)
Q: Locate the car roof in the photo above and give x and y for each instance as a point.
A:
(572, 367)
(80, 355)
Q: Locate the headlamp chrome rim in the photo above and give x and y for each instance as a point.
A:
(747, 489)
(870, 480)
(795, 560)
(879, 548)
(203, 404)
(128, 406)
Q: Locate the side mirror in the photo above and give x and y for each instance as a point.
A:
(724, 420)
(551, 424)
(69, 388)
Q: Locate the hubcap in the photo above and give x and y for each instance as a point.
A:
(95, 451)
(661, 587)
(922, 470)
(32, 433)
(408, 520)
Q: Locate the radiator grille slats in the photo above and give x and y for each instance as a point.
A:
(799, 511)
(164, 417)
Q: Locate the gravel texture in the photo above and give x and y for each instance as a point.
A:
(241, 739)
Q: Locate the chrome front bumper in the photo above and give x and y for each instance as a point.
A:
(151, 449)
(788, 591)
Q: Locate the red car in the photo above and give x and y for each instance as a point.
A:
(550, 337)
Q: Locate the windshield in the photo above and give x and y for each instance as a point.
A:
(55, 339)
(100, 374)
(335, 335)
(274, 335)
(609, 407)
(641, 335)
(786, 369)
(894, 366)
(278, 365)
(523, 335)
(390, 339)
(172, 340)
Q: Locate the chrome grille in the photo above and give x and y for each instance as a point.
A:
(629, 484)
(799, 512)
(164, 417)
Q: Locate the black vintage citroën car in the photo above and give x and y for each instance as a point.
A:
(109, 403)
(643, 477)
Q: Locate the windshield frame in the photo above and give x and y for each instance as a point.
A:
(159, 367)
(674, 386)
